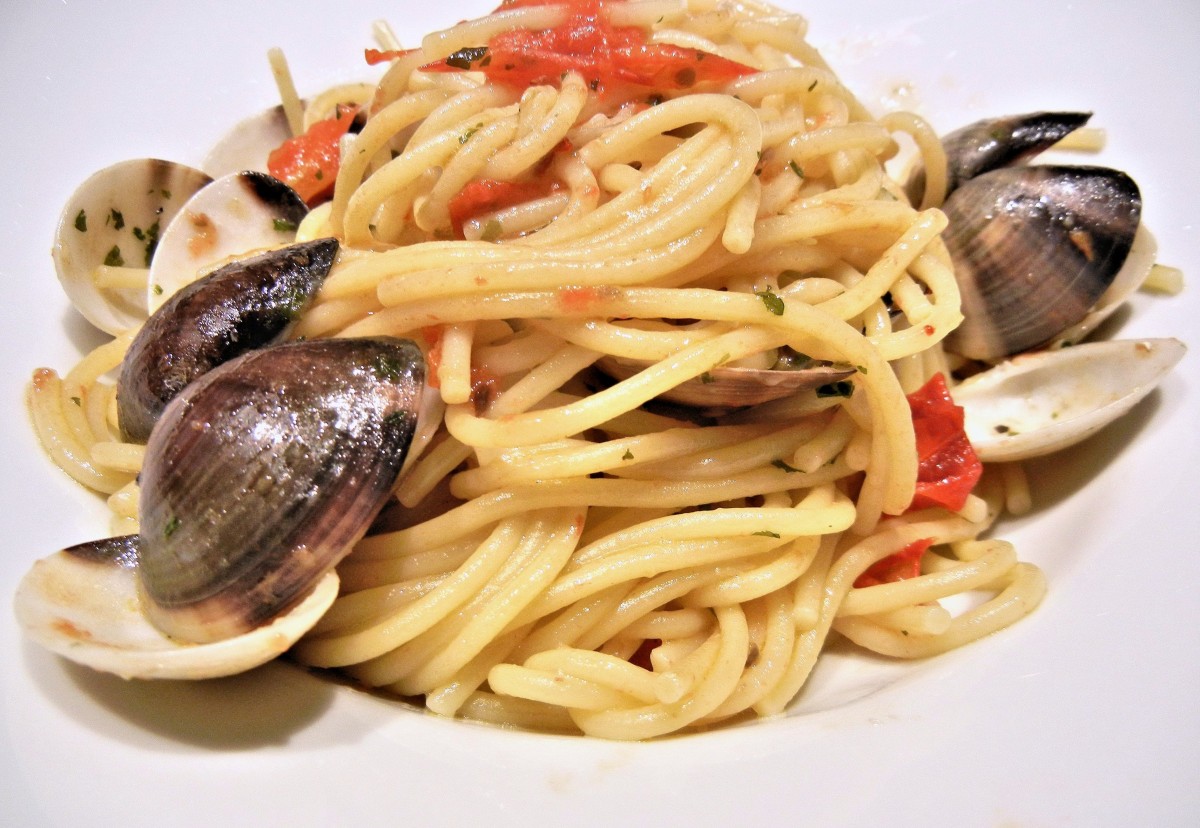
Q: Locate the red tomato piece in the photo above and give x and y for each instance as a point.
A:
(949, 468)
(309, 163)
(895, 567)
(610, 58)
(486, 195)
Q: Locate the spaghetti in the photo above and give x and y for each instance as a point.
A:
(690, 190)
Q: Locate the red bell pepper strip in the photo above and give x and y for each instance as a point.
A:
(309, 163)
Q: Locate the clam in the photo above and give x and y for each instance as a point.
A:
(243, 305)
(247, 145)
(114, 220)
(998, 142)
(240, 212)
(83, 603)
(1034, 249)
(1044, 401)
(258, 478)
(731, 387)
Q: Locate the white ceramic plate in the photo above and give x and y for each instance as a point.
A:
(1086, 713)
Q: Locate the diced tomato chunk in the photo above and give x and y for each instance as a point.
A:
(486, 195)
(895, 567)
(309, 163)
(949, 467)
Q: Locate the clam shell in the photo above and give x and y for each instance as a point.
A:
(117, 216)
(244, 305)
(239, 213)
(992, 143)
(1034, 248)
(263, 473)
(83, 603)
(731, 386)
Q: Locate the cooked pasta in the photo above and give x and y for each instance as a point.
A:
(569, 551)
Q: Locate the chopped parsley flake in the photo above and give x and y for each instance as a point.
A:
(386, 368)
(780, 464)
(158, 290)
(492, 231)
(707, 378)
(150, 237)
(77, 400)
(628, 455)
(116, 219)
(772, 302)
(796, 169)
(283, 225)
(81, 221)
(767, 533)
(171, 527)
(114, 258)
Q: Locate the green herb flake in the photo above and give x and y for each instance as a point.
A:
(114, 258)
(707, 378)
(772, 302)
(116, 219)
(492, 230)
(813, 85)
(836, 389)
(628, 455)
(796, 169)
(767, 533)
(464, 58)
(158, 290)
(283, 225)
(166, 194)
(149, 236)
(171, 527)
(386, 368)
(81, 221)
(320, 175)
(780, 464)
(862, 369)
(78, 401)
(466, 136)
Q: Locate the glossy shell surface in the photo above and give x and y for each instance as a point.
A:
(1034, 249)
(263, 473)
(244, 305)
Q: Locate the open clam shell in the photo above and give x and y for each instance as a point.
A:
(83, 603)
(264, 472)
(1038, 403)
(238, 213)
(115, 219)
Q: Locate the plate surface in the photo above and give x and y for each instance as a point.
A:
(1086, 713)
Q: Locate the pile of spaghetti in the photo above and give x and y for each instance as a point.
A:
(575, 207)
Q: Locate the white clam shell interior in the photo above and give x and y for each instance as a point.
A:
(90, 612)
(1041, 402)
(117, 207)
(225, 220)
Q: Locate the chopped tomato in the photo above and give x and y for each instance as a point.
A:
(486, 195)
(375, 56)
(308, 163)
(610, 58)
(949, 468)
(895, 567)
